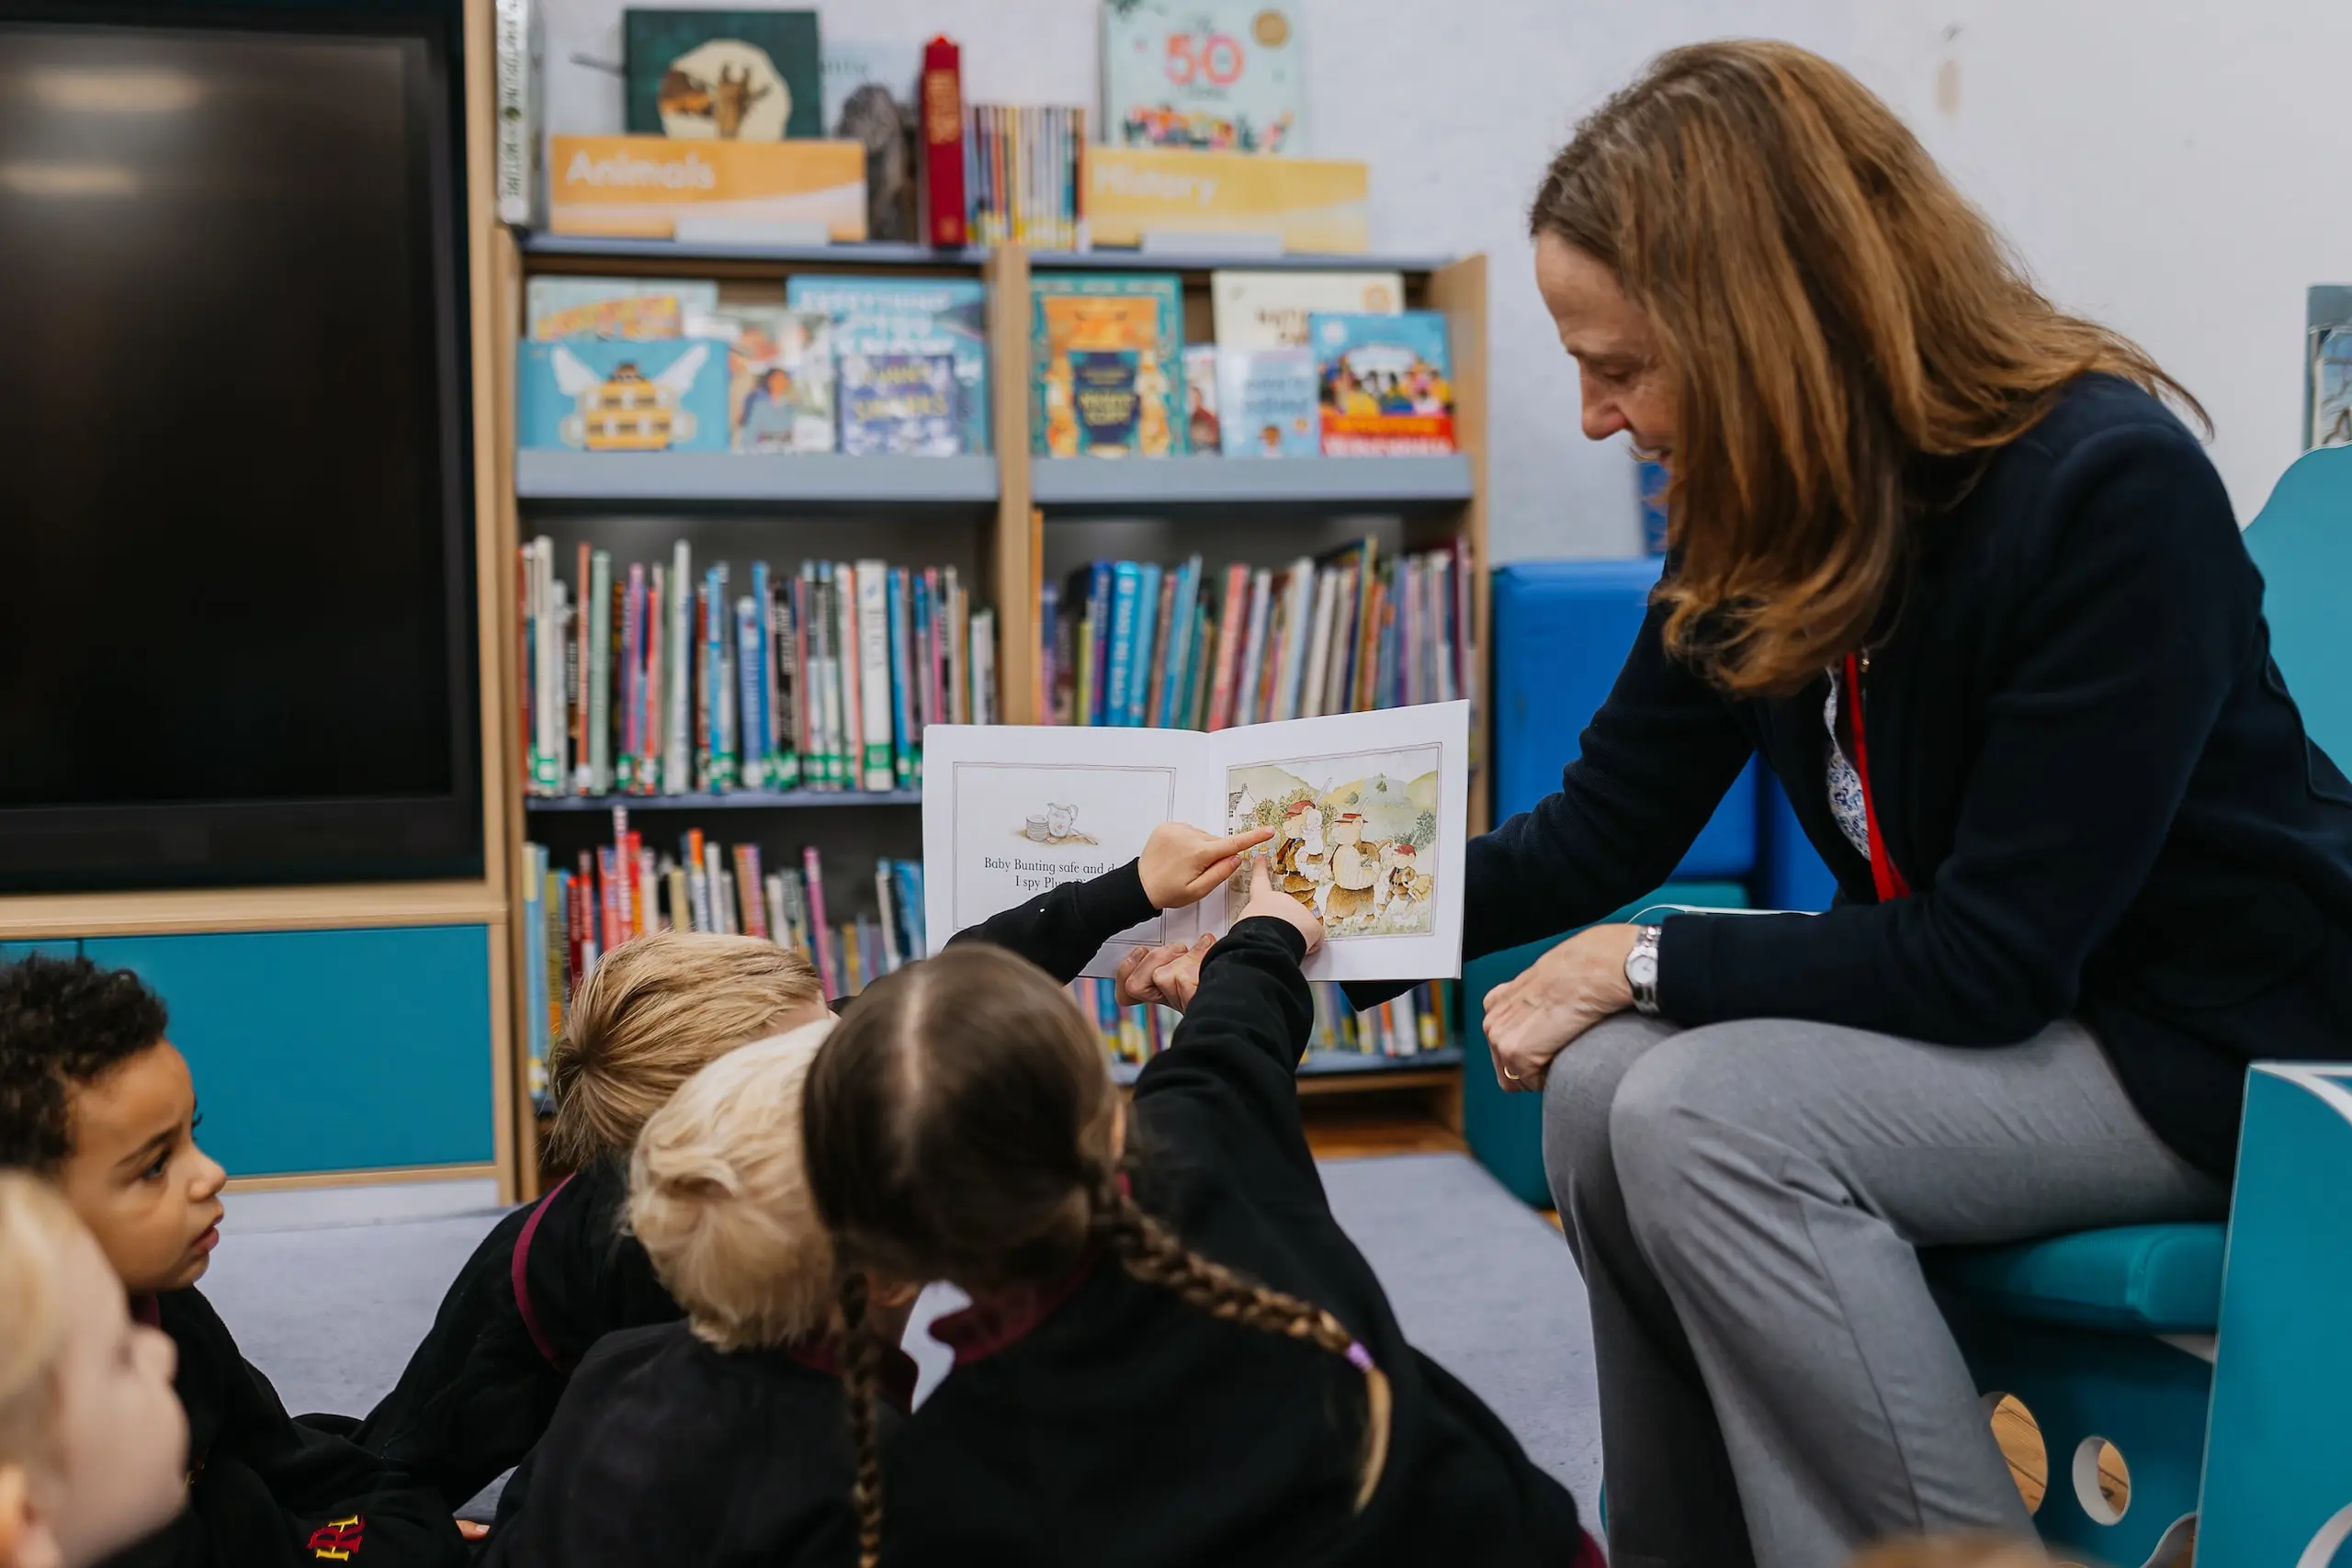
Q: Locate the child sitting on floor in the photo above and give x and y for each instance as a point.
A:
(94, 1099)
(719, 1440)
(93, 1445)
(1174, 1354)
(553, 1278)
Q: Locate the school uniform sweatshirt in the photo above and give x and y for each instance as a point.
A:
(266, 1491)
(482, 1385)
(668, 1450)
(1104, 1420)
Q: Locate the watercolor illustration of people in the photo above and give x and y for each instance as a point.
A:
(1350, 832)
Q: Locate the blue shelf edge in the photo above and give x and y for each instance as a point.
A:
(1335, 1065)
(735, 800)
(811, 478)
(1196, 480)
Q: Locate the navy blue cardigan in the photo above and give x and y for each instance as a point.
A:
(2084, 762)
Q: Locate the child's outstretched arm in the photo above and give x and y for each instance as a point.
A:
(1063, 928)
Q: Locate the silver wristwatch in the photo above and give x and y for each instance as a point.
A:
(1641, 971)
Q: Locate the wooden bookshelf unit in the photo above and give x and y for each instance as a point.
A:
(1012, 520)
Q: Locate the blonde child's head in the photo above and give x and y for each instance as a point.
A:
(652, 1014)
(962, 1126)
(92, 1440)
(718, 1196)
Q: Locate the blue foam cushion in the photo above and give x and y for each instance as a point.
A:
(1562, 630)
(2148, 1279)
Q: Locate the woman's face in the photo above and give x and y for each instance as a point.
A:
(1626, 385)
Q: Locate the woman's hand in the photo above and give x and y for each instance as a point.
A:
(1181, 864)
(1264, 900)
(1558, 997)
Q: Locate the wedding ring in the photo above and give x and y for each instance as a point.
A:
(1508, 1074)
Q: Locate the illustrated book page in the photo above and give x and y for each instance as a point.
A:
(1369, 812)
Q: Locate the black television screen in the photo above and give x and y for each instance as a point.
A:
(235, 513)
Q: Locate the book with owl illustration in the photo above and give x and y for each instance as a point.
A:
(726, 75)
(1364, 815)
(1108, 354)
(1220, 74)
(613, 395)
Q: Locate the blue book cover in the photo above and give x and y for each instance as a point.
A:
(748, 695)
(1265, 400)
(595, 394)
(909, 317)
(1147, 576)
(1385, 383)
(1048, 646)
(899, 405)
(1177, 684)
(1124, 577)
(903, 734)
(761, 684)
(1099, 608)
(921, 684)
(718, 733)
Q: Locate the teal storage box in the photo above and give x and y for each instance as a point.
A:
(1505, 1132)
(1562, 630)
(328, 1050)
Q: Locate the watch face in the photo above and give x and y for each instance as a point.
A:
(1642, 968)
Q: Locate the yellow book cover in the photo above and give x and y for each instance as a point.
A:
(1315, 204)
(639, 187)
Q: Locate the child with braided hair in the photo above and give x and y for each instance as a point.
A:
(1174, 1354)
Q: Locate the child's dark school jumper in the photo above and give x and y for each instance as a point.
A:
(668, 1450)
(1110, 1422)
(266, 1491)
(481, 1387)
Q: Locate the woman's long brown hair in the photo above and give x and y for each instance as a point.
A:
(1831, 313)
(958, 1127)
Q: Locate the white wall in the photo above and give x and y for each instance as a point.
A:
(2161, 165)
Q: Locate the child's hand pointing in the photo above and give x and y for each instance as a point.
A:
(1265, 900)
(1181, 864)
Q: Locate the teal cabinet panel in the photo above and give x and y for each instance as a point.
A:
(65, 947)
(329, 1049)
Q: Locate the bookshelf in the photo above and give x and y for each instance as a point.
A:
(1012, 520)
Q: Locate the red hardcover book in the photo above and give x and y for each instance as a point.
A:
(943, 141)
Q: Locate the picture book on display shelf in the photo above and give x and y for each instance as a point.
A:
(1384, 382)
(724, 75)
(1369, 813)
(1224, 76)
(1108, 352)
(780, 376)
(910, 356)
(1269, 309)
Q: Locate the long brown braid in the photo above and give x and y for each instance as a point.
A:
(1151, 1253)
(860, 1378)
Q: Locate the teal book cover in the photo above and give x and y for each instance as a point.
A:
(724, 75)
(610, 395)
(1108, 351)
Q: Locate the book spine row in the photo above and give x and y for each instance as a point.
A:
(1023, 175)
(576, 913)
(1418, 1022)
(1135, 643)
(648, 679)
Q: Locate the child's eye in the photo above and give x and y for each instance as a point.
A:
(155, 1172)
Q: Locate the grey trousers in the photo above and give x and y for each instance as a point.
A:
(1776, 1386)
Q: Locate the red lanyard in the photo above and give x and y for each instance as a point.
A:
(1891, 884)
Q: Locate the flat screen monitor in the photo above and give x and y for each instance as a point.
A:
(237, 593)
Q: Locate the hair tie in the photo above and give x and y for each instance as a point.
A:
(1360, 1358)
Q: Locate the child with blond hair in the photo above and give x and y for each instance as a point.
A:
(93, 1444)
(553, 1278)
(722, 1439)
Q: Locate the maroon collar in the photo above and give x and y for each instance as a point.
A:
(896, 1369)
(992, 1323)
(147, 1309)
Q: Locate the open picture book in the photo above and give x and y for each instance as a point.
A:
(1369, 812)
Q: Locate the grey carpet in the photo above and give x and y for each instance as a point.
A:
(328, 1293)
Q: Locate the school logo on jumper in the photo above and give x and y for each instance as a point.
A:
(337, 1540)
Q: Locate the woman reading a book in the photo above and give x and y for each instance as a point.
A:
(1942, 556)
